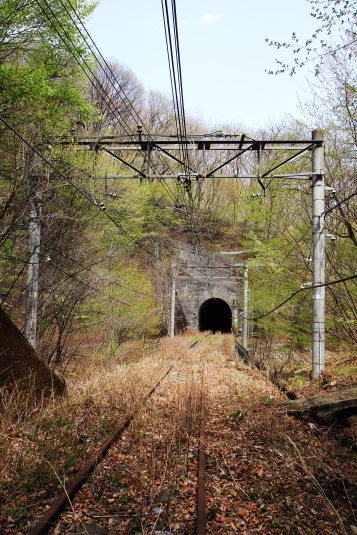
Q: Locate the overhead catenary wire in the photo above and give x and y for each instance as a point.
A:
(122, 95)
(85, 194)
(174, 60)
(311, 287)
(175, 72)
(188, 216)
(92, 76)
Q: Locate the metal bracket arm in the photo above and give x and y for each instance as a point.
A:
(125, 163)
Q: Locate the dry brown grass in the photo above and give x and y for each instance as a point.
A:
(247, 436)
(38, 438)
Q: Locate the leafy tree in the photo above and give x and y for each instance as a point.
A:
(118, 95)
(42, 93)
(336, 31)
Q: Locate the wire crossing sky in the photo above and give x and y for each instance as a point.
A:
(223, 53)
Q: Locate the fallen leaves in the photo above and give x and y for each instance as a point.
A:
(266, 473)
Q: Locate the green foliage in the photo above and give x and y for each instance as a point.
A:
(335, 20)
(40, 73)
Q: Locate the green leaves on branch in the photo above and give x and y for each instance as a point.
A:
(42, 52)
(336, 32)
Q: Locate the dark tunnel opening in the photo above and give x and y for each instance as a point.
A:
(215, 315)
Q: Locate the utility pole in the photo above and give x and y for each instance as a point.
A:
(33, 271)
(318, 239)
(245, 307)
(173, 302)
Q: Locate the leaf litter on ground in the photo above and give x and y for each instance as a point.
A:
(266, 472)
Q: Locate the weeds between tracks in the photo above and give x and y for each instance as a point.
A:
(38, 438)
(266, 472)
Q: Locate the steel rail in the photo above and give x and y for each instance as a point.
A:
(44, 524)
(201, 489)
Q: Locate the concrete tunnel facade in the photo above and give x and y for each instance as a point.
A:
(204, 303)
(215, 315)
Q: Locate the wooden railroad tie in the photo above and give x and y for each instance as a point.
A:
(340, 399)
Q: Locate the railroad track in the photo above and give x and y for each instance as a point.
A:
(45, 524)
(208, 452)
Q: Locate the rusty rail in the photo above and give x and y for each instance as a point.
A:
(53, 512)
(201, 488)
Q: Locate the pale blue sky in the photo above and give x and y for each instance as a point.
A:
(223, 53)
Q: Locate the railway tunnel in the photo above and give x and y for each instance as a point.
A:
(215, 315)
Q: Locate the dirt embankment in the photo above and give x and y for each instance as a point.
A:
(20, 366)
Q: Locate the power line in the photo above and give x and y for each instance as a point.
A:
(80, 190)
(174, 60)
(93, 76)
(302, 290)
(70, 275)
(129, 105)
(189, 217)
(73, 48)
(137, 117)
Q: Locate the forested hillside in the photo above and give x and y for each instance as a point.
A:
(102, 256)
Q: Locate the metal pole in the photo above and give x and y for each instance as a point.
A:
(33, 271)
(245, 307)
(173, 302)
(318, 247)
(235, 320)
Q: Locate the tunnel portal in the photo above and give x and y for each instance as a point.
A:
(215, 315)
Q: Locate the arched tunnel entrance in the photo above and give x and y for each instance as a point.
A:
(215, 315)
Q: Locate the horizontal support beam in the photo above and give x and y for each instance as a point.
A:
(194, 146)
(207, 267)
(300, 176)
(208, 277)
(201, 142)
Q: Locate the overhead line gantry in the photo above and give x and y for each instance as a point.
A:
(236, 146)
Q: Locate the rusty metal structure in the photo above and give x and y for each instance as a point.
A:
(145, 156)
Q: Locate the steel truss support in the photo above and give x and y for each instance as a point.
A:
(231, 147)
